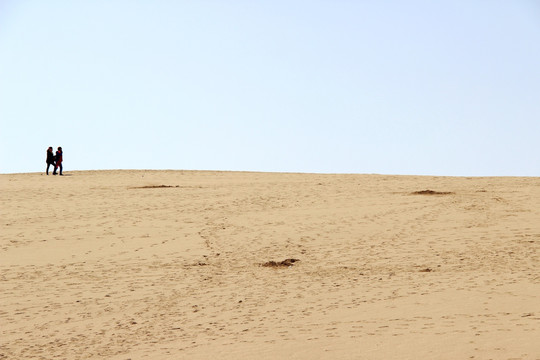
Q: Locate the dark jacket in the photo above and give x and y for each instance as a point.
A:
(50, 157)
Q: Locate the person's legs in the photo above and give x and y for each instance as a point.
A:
(48, 165)
(61, 168)
(55, 167)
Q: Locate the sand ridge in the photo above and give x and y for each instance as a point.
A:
(169, 264)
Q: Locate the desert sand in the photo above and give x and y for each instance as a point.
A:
(169, 265)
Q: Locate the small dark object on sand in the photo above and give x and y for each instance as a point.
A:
(431, 192)
(284, 263)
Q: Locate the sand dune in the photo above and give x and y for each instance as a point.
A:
(168, 265)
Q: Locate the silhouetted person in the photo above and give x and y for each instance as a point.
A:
(50, 159)
(58, 160)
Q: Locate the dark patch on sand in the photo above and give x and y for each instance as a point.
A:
(432, 192)
(199, 263)
(156, 187)
(284, 263)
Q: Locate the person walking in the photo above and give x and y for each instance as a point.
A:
(50, 159)
(58, 159)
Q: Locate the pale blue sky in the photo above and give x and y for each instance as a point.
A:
(389, 87)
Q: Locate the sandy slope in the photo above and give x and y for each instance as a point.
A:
(95, 266)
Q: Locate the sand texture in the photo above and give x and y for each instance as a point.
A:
(169, 265)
